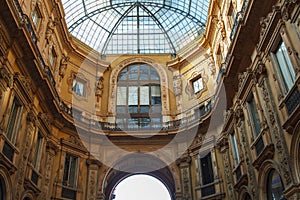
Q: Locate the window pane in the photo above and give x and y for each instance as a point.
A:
(144, 95)
(78, 87)
(235, 151)
(133, 123)
(121, 96)
(144, 72)
(123, 75)
(155, 95)
(207, 170)
(133, 72)
(275, 186)
(254, 117)
(145, 122)
(154, 75)
(133, 95)
(14, 119)
(285, 66)
(198, 85)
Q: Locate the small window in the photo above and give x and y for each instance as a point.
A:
(52, 58)
(285, 68)
(207, 175)
(79, 86)
(197, 84)
(234, 148)
(14, 120)
(219, 56)
(231, 14)
(254, 117)
(70, 171)
(36, 16)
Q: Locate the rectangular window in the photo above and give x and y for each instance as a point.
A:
(79, 86)
(38, 151)
(197, 85)
(36, 16)
(14, 120)
(234, 148)
(207, 169)
(285, 66)
(207, 175)
(70, 171)
(52, 58)
(254, 118)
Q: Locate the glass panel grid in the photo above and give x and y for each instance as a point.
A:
(153, 26)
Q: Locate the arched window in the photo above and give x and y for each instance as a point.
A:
(274, 186)
(138, 98)
(247, 197)
(2, 189)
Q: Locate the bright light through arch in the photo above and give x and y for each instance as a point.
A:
(137, 187)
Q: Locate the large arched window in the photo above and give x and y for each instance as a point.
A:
(2, 189)
(138, 98)
(274, 186)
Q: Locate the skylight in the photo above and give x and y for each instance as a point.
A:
(136, 27)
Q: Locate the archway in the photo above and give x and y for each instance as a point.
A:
(2, 189)
(141, 186)
(137, 164)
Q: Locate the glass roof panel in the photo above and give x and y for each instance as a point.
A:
(136, 26)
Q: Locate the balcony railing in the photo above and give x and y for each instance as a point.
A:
(185, 122)
(239, 17)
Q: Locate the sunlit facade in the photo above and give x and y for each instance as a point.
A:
(201, 95)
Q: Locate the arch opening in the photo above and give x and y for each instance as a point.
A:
(141, 186)
(275, 187)
(2, 189)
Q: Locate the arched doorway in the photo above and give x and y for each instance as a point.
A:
(141, 186)
(138, 164)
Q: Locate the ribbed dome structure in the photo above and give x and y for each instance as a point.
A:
(136, 26)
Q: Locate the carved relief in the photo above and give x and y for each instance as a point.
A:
(23, 161)
(63, 65)
(276, 134)
(177, 85)
(92, 185)
(50, 30)
(228, 175)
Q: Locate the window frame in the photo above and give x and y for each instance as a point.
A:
(14, 120)
(52, 58)
(235, 148)
(284, 86)
(66, 182)
(38, 150)
(36, 17)
(252, 107)
(195, 80)
(269, 185)
(137, 76)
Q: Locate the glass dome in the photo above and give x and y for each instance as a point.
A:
(136, 26)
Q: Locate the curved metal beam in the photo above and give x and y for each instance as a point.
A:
(116, 26)
(160, 26)
(106, 8)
